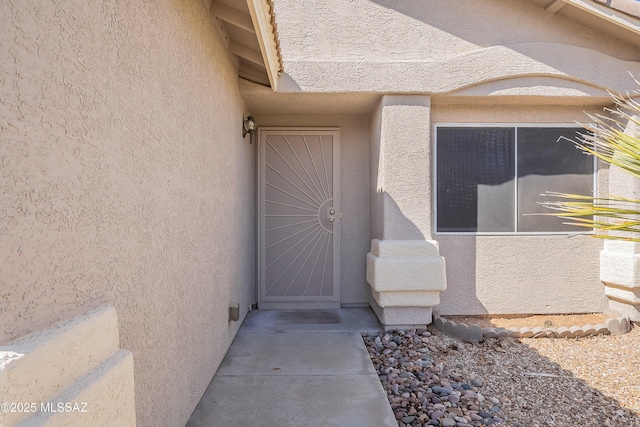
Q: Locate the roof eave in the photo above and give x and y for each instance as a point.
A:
(601, 11)
(263, 18)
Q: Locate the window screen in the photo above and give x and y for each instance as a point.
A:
(477, 189)
(476, 179)
(548, 162)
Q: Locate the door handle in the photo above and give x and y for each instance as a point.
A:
(330, 219)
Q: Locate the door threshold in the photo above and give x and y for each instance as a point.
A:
(299, 305)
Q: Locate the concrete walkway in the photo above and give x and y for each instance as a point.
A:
(297, 368)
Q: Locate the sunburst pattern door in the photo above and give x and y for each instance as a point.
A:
(299, 218)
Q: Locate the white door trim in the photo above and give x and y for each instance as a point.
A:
(298, 302)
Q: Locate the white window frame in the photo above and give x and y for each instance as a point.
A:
(515, 126)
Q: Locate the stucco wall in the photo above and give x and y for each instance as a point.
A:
(401, 150)
(473, 59)
(125, 180)
(507, 274)
(442, 47)
(330, 29)
(375, 202)
(520, 274)
(354, 171)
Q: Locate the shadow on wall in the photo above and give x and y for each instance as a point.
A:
(399, 226)
(561, 46)
(543, 390)
(462, 297)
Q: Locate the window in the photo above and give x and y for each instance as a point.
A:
(490, 178)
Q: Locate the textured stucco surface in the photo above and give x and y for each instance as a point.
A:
(465, 25)
(37, 367)
(405, 273)
(125, 180)
(403, 180)
(109, 395)
(79, 362)
(354, 172)
(443, 47)
(474, 58)
(520, 274)
(262, 100)
(402, 204)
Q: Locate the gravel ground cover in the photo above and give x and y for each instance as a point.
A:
(435, 380)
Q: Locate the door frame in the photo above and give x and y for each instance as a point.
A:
(299, 302)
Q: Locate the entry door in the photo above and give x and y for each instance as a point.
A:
(299, 230)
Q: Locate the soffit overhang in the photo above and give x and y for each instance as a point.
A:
(249, 31)
(617, 18)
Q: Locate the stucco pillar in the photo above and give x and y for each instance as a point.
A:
(620, 260)
(404, 268)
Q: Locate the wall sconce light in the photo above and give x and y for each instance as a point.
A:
(249, 127)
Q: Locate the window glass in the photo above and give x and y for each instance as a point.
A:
(475, 179)
(548, 162)
(477, 190)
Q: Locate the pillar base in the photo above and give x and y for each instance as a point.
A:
(626, 310)
(620, 272)
(406, 278)
(402, 317)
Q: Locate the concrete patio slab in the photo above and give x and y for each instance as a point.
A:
(299, 400)
(297, 353)
(297, 368)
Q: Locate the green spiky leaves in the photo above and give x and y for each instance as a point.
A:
(612, 217)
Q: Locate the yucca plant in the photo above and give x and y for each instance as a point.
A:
(613, 217)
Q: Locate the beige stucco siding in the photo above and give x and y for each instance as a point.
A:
(354, 171)
(520, 273)
(447, 47)
(125, 180)
(490, 61)
(328, 29)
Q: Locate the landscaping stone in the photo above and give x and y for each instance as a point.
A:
(425, 392)
(474, 333)
(477, 382)
(618, 326)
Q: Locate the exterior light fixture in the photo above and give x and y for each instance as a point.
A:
(249, 127)
(234, 312)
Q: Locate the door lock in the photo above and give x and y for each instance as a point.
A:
(330, 217)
